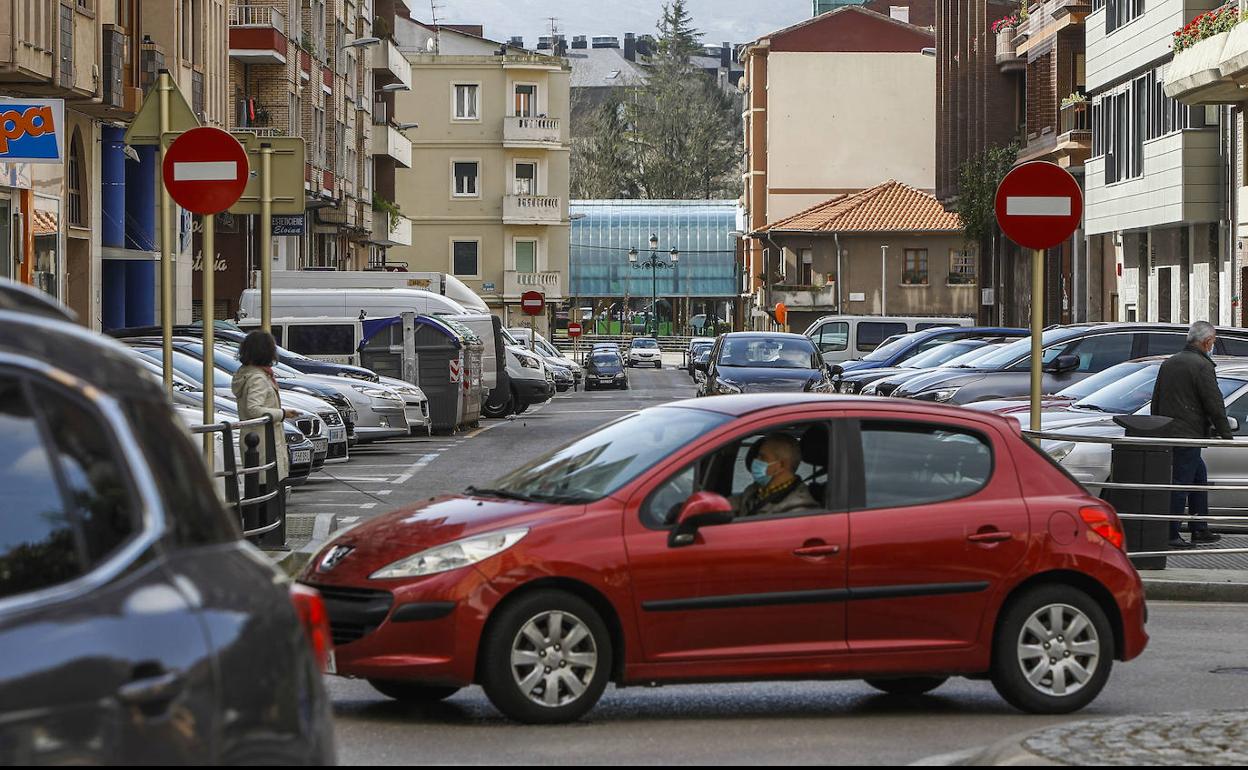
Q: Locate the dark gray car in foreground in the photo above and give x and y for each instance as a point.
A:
(136, 626)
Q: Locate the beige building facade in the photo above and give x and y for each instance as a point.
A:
(833, 105)
(487, 189)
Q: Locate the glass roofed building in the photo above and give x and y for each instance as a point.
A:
(702, 283)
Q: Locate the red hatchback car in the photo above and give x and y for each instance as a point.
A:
(748, 537)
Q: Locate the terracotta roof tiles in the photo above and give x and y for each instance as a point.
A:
(891, 207)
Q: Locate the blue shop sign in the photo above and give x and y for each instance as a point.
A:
(32, 130)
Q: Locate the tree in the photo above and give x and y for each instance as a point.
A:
(978, 179)
(678, 136)
(602, 158)
(687, 130)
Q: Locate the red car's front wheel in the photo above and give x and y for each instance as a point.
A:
(546, 658)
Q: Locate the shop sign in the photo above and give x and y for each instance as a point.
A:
(32, 130)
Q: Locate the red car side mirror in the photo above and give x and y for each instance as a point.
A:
(702, 509)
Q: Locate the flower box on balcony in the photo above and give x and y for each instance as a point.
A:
(1195, 75)
(1234, 64)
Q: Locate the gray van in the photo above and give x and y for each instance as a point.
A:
(842, 337)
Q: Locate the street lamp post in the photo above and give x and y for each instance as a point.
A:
(654, 264)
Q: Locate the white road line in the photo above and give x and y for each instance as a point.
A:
(360, 506)
(205, 171)
(411, 469)
(592, 411)
(354, 491)
(1037, 206)
(375, 479)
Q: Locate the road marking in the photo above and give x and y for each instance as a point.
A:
(376, 479)
(354, 491)
(592, 411)
(411, 469)
(1037, 206)
(205, 171)
(358, 506)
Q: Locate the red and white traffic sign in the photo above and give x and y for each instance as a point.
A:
(1039, 205)
(533, 302)
(574, 330)
(205, 170)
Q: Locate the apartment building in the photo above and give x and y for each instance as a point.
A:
(1159, 185)
(305, 68)
(88, 231)
(853, 95)
(487, 188)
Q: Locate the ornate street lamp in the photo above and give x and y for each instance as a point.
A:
(654, 264)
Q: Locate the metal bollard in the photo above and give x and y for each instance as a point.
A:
(273, 509)
(251, 482)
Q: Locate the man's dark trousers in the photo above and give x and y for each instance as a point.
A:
(1189, 468)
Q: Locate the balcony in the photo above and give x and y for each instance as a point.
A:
(532, 210)
(1074, 140)
(1195, 75)
(1007, 53)
(258, 34)
(805, 297)
(531, 132)
(388, 140)
(548, 282)
(1063, 8)
(390, 63)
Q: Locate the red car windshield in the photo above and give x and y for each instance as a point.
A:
(598, 464)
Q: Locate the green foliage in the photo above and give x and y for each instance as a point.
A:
(978, 179)
(678, 136)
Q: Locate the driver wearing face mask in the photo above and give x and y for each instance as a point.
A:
(776, 487)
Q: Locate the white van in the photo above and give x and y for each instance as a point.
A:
(339, 305)
(439, 283)
(842, 337)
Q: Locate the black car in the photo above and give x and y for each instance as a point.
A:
(854, 381)
(137, 627)
(765, 362)
(605, 369)
(1071, 353)
(696, 350)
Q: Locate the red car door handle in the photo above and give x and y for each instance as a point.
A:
(993, 536)
(817, 550)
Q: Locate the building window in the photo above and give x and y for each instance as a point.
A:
(73, 184)
(806, 267)
(915, 271)
(526, 178)
(1120, 12)
(526, 256)
(465, 173)
(464, 258)
(526, 101)
(466, 101)
(961, 267)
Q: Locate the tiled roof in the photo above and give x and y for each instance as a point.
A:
(891, 207)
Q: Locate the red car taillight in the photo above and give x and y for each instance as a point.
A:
(315, 620)
(1104, 523)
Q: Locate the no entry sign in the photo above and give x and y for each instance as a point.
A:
(533, 302)
(205, 170)
(1039, 205)
(574, 330)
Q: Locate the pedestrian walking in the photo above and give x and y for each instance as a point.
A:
(1187, 392)
(255, 388)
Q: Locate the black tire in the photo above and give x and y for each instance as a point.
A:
(521, 407)
(658, 364)
(498, 411)
(624, 386)
(496, 652)
(911, 685)
(1007, 673)
(411, 692)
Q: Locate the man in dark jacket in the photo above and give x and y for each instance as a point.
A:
(1187, 392)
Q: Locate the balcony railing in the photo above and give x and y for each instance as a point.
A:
(548, 282)
(1076, 117)
(258, 16)
(1007, 52)
(532, 130)
(532, 209)
(822, 297)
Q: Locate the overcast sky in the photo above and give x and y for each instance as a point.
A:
(735, 21)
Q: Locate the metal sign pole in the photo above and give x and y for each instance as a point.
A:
(207, 315)
(1037, 328)
(166, 240)
(266, 236)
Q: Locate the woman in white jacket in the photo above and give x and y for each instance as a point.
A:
(255, 388)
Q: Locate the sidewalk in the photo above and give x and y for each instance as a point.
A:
(1184, 738)
(1212, 578)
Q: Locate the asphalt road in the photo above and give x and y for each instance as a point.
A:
(756, 723)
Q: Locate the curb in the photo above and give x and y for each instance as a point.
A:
(1195, 585)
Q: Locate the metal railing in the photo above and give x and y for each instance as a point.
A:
(1168, 486)
(259, 513)
(257, 16)
(1076, 117)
